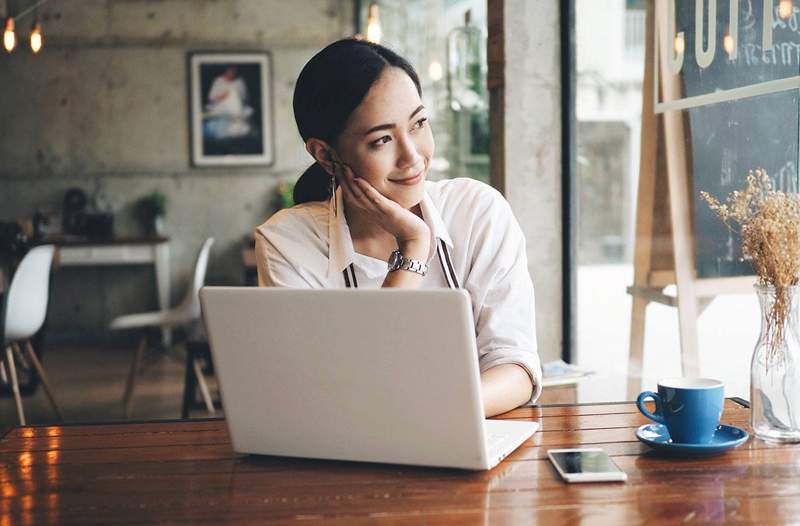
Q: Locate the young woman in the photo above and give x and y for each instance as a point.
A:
(367, 217)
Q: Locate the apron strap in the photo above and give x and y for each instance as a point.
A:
(447, 265)
(350, 280)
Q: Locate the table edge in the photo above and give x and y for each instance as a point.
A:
(740, 401)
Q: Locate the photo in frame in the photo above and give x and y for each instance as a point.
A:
(231, 108)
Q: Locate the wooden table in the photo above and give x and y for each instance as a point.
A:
(185, 472)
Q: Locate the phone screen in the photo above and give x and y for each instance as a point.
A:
(584, 462)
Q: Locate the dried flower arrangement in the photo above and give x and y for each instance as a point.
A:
(769, 225)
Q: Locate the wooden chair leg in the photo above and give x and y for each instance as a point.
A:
(3, 375)
(43, 377)
(127, 398)
(21, 361)
(12, 373)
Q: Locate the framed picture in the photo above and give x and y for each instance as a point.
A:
(231, 108)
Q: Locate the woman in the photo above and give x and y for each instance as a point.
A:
(366, 201)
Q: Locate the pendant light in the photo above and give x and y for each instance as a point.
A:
(785, 9)
(374, 31)
(9, 37)
(36, 37)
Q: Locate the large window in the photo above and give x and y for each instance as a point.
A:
(610, 57)
(445, 41)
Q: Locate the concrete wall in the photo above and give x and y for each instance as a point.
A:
(526, 163)
(104, 106)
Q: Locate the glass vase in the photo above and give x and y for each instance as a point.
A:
(774, 372)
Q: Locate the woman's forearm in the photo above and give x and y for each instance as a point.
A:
(504, 388)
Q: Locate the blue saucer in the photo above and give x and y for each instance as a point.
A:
(725, 438)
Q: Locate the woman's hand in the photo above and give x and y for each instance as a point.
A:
(411, 232)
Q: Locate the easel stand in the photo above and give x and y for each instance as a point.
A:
(664, 247)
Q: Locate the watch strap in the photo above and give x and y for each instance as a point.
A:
(403, 263)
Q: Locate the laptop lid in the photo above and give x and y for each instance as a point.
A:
(369, 375)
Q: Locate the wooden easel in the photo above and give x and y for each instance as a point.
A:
(664, 247)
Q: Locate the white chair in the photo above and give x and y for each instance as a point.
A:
(181, 316)
(25, 311)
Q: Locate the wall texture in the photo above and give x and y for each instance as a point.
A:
(104, 106)
(524, 79)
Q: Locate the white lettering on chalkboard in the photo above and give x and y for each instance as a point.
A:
(785, 180)
(766, 36)
(784, 53)
(726, 169)
(729, 254)
(705, 56)
(676, 56)
(733, 30)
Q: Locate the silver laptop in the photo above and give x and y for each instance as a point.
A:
(367, 375)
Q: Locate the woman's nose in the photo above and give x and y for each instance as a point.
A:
(408, 155)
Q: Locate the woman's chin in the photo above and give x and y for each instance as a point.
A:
(408, 197)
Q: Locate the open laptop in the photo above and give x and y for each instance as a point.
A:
(367, 375)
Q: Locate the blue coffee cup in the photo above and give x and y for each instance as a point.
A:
(690, 408)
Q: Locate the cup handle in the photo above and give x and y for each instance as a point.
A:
(655, 417)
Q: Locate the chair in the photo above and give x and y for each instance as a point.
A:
(23, 316)
(182, 316)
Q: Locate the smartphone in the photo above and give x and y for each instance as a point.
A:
(585, 465)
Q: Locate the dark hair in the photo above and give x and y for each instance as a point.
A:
(330, 87)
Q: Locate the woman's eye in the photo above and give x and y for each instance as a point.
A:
(383, 140)
(420, 123)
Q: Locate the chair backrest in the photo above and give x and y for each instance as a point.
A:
(26, 306)
(190, 306)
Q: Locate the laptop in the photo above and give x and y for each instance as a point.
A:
(380, 375)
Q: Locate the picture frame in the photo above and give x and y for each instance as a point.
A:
(230, 108)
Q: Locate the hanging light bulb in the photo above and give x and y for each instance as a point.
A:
(374, 32)
(785, 9)
(36, 39)
(727, 43)
(9, 38)
(435, 71)
(679, 44)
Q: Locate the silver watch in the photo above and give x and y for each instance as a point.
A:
(399, 262)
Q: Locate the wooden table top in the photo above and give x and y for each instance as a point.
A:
(185, 471)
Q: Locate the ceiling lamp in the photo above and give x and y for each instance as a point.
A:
(374, 32)
(36, 38)
(9, 37)
(785, 9)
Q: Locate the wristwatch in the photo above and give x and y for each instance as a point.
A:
(399, 262)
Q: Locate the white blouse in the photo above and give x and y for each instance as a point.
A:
(309, 246)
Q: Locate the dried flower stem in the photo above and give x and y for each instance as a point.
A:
(769, 224)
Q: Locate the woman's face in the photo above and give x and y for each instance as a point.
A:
(387, 140)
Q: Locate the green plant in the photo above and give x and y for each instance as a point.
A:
(284, 195)
(152, 205)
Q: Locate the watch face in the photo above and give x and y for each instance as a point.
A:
(394, 260)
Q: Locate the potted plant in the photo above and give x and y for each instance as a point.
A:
(151, 209)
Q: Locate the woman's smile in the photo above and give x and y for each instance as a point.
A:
(411, 180)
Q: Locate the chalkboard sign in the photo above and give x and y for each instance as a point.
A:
(724, 140)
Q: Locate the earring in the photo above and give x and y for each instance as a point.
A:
(334, 202)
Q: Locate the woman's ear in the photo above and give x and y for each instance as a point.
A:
(322, 153)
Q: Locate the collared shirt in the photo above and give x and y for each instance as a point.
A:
(309, 246)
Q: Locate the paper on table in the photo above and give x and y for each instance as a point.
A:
(559, 372)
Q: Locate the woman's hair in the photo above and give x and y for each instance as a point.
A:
(330, 87)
